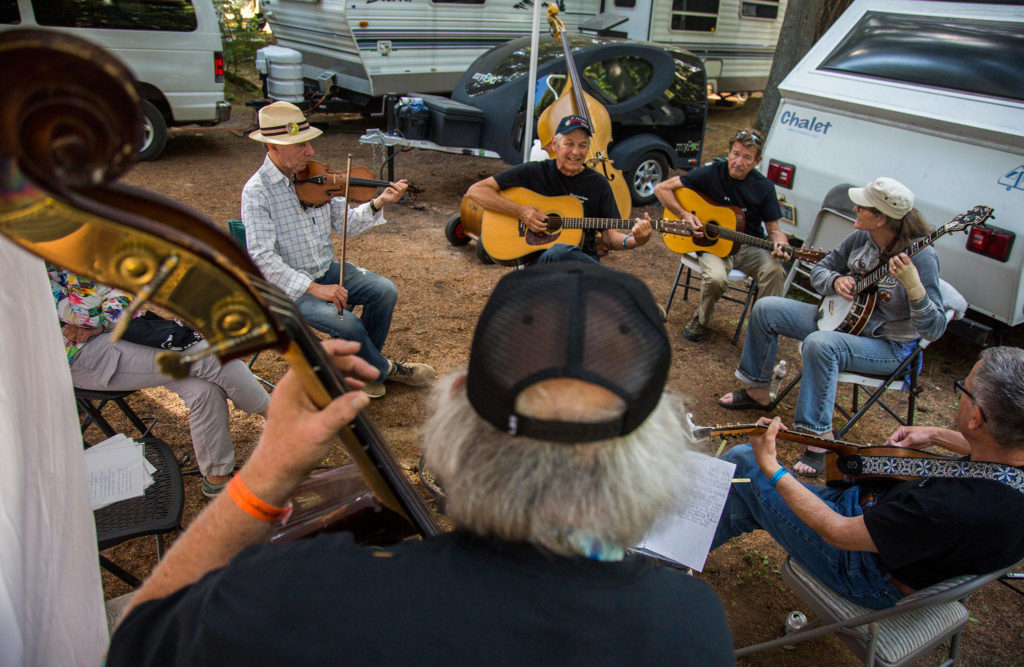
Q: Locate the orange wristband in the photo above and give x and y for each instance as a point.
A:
(253, 506)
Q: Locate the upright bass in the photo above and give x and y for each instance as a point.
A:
(574, 100)
(71, 123)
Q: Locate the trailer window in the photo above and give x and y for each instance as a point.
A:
(9, 11)
(762, 9)
(972, 56)
(163, 15)
(695, 15)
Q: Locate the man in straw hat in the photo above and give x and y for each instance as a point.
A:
(291, 243)
(555, 462)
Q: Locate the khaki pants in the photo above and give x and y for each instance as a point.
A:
(752, 261)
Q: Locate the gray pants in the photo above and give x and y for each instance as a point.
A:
(750, 260)
(125, 366)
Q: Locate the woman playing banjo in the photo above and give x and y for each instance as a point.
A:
(865, 332)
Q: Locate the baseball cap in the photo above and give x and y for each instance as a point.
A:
(885, 194)
(575, 320)
(573, 122)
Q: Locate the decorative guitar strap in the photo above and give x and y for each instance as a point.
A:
(902, 466)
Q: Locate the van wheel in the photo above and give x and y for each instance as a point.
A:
(154, 132)
(454, 232)
(651, 169)
(481, 254)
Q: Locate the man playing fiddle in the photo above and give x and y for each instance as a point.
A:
(566, 174)
(874, 544)
(732, 183)
(292, 245)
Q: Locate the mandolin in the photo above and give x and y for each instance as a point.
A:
(69, 126)
(836, 313)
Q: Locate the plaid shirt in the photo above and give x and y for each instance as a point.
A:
(292, 244)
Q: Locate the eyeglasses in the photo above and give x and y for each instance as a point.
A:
(959, 388)
(744, 135)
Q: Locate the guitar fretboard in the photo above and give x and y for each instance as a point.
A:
(659, 225)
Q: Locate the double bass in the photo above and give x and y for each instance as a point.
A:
(574, 100)
(70, 125)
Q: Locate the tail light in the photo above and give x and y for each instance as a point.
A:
(781, 173)
(991, 241)
(218, 66)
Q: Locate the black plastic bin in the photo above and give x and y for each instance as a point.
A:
(452, 123)
(413, 123)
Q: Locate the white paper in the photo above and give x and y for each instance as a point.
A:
(117, 470)
(684, 535)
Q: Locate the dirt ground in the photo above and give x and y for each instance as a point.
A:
(442, 289)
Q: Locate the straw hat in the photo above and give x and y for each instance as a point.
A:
(282, 123)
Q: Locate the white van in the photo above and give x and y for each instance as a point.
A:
(172, 47)
(929, 93)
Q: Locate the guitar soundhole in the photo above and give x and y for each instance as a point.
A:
(550, 236)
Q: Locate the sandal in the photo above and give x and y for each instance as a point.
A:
(741, 400)
(813, 460)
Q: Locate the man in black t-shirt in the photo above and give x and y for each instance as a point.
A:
(732, 183)
(554, 464)
(566, 174)
(876, 543)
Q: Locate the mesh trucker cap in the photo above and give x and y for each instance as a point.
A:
(568, 320)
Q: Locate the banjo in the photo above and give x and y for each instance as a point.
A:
(838, 314)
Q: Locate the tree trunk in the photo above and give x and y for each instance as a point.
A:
(804, 24)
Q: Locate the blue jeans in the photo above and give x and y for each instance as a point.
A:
(856, 575)
(376, 294)
(825, 354)
(563, 251)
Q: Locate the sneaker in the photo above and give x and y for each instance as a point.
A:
(212, 490)
(410, 373)
(375, 390)
(694, 330)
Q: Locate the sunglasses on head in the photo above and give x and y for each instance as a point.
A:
(744, 135)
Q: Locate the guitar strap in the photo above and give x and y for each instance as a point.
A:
(906, 466)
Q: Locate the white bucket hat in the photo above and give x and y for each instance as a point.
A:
(282, 123)
(885, 194)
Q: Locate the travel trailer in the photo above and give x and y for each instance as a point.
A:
(352, 52)
(929, 93)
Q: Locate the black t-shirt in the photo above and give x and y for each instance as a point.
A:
(932, 529)
(754, 195)
(589, 187)
(451, 600)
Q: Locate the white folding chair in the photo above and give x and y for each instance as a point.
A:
(739, 283)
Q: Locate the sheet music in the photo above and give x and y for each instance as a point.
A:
(684, 535)
(117, 470)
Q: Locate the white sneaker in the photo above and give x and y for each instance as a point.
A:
(410, 373)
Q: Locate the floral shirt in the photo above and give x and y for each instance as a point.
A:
(84, 303)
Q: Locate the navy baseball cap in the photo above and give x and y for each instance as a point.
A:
(573, 122)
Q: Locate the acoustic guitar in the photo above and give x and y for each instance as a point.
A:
(838, 314)
(510, 242)
(842, 461)
(723, 230)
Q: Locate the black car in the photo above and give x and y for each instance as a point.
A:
(655, 94)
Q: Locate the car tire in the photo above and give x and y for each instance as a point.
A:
(154, 132)
(481, 254)
(454, 232)
(650, 169)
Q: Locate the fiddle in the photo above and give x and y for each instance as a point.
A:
(318, 183)
(58, 200)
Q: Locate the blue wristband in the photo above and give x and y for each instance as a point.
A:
(777, 476)
(628, 237)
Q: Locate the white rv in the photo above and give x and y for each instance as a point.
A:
(735, 38)
(371, 47)
(929, 93)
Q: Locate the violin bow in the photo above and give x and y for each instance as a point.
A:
(344, 223)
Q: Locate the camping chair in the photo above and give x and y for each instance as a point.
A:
(896, 636)
(237, 230)
(157, 512)
(747, 287)
(91, 402)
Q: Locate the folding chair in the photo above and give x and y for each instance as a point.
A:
(896, 636)
(747, 288)
(91, 402)
(155, 513)
(237, 230)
